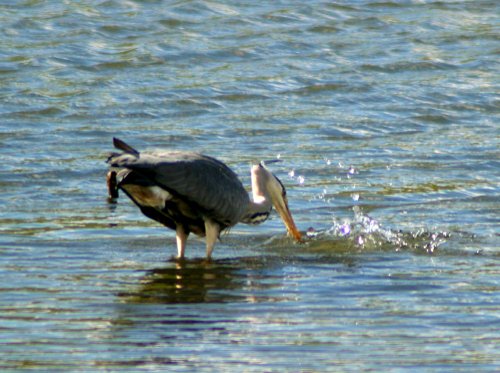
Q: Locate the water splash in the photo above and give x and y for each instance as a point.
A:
(365, 232)
(299, 179)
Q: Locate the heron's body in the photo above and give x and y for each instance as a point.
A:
(189, 192)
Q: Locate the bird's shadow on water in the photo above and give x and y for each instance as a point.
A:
(251, 279)
(187, 281)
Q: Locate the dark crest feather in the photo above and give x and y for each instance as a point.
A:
(269, 161)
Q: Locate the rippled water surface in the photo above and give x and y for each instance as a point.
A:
(385, 115)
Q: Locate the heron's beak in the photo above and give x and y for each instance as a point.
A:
(281, 205)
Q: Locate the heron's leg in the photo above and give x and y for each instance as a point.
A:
(181, 237)
(212, 230)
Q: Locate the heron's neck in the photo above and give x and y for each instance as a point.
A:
(257, 212)
(260, 207)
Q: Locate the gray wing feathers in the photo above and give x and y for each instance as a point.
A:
(200, 179)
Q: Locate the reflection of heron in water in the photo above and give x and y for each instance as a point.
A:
(195, 281)
(193, 193)
(186, 282)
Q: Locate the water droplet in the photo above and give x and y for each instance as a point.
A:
(301, 179)
(278, 156)
(311, 232)
(355, 197)
(345, 229)
(352, 170)
(291, 173)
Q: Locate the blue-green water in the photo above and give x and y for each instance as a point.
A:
(385, 115)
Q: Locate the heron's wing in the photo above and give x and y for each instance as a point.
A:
(201, 180)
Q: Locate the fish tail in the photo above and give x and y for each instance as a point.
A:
(119, 144)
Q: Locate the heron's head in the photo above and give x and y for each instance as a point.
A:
(266, 185)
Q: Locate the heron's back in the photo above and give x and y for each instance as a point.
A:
(203, 183)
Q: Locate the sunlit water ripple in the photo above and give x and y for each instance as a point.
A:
(385, 117)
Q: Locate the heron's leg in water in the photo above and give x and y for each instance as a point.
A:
(212, 230)
(181, 237)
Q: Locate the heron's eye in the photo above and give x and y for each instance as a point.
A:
(283, 190)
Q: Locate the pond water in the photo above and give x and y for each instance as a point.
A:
(384, 115)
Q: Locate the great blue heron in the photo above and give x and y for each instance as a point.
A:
(193, 193)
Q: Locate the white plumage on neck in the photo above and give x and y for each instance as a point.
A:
(261, 205)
